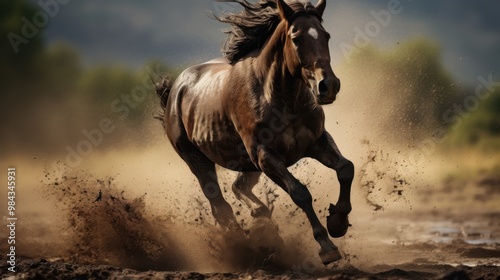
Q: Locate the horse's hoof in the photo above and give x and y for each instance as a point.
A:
(330, 256)
(261, 212)
(337, 223)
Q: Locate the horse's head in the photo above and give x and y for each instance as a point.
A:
(306, 49)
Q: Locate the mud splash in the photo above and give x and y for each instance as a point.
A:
(382, 178)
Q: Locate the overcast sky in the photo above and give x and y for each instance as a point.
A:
(130, 32)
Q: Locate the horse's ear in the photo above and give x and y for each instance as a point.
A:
(285, 11)
(321, 7)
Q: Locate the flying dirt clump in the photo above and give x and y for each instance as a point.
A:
(382, 179)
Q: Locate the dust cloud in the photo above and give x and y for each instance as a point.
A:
(145, 220)
(144, 210)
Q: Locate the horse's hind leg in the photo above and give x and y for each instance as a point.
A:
(242, 188)
(221, 210)
(326, 151)
(204, 170)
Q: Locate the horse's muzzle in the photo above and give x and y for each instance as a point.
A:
(327, 90)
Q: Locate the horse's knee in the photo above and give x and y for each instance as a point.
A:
(244, 183)
(345, 171)
(237, 188)
(212, 191)
(301, 196)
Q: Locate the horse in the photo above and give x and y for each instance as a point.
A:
(259, 110)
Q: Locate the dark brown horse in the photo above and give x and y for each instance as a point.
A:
(259, 110)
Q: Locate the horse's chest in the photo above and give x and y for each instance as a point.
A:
(294, 142)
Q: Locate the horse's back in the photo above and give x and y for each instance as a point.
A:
(219, 60)
(197, 83)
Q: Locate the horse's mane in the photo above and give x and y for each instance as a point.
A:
(254, 25)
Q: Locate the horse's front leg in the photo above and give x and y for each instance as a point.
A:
(274, 167)
(326, 151)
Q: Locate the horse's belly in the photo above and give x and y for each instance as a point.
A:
(220, 142)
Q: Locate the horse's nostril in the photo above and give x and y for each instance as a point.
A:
(322, 87)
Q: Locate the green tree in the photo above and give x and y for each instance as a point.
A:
(479, 129)
(61, 70)
(17, 58)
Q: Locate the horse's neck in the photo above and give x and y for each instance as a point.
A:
(270, 68)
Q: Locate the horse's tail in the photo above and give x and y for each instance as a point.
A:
(162, 91)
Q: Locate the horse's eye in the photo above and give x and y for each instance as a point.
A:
(294, 34)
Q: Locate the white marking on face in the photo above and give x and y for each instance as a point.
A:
(313, 32)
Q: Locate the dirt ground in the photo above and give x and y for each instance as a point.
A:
(43, 269)
(140, 224)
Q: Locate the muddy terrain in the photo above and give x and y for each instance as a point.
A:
(84, 223)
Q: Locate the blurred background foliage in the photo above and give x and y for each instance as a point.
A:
(481, 128)
(49, 96)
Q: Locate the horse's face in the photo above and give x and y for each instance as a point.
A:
(306, 51)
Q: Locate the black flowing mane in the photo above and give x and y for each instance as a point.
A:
(254, 25)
